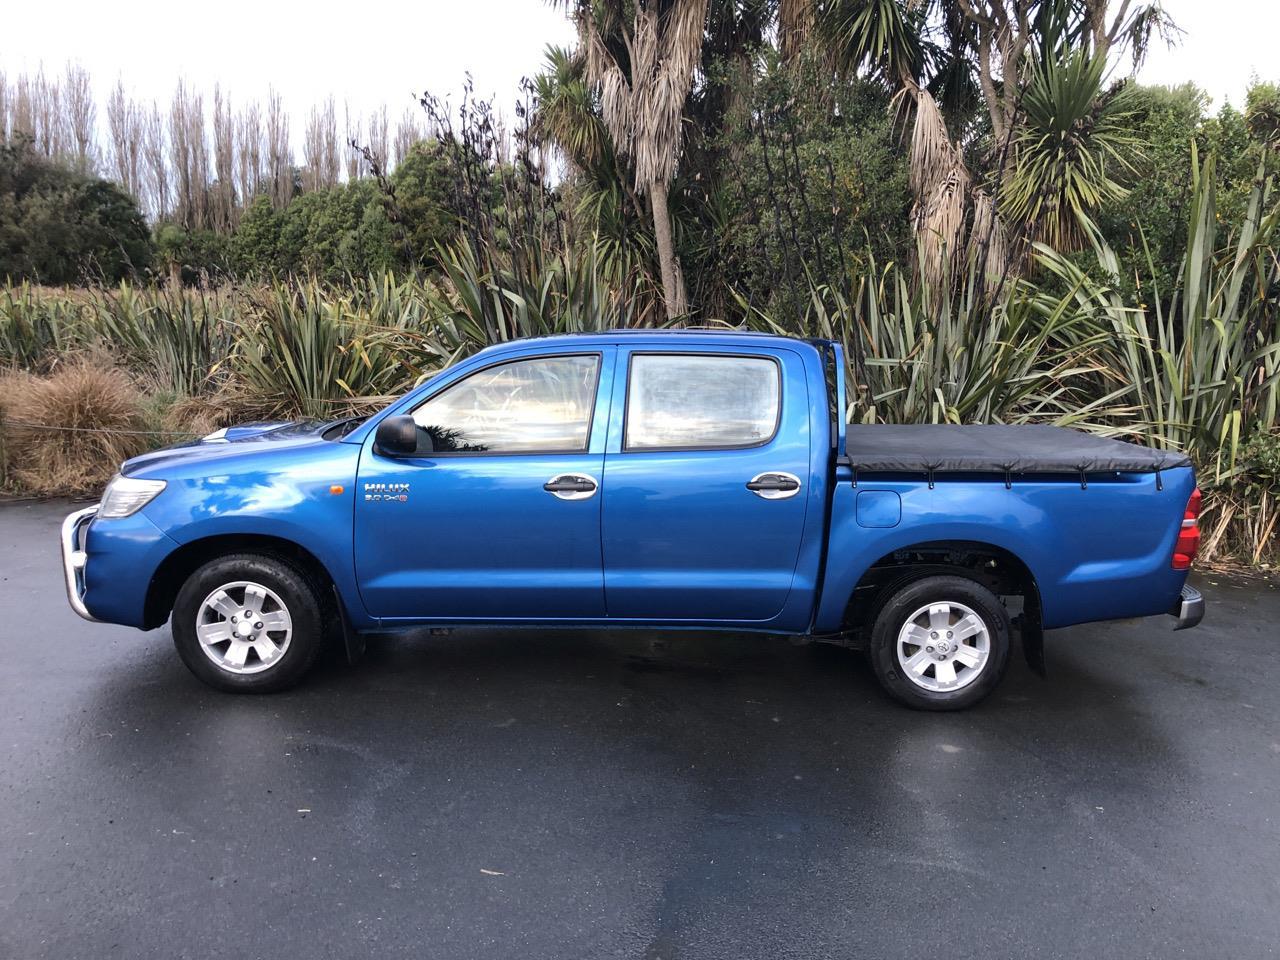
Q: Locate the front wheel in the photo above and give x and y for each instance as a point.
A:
(248, 623)
(940, 643)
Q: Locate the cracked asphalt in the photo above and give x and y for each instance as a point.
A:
(578, 795)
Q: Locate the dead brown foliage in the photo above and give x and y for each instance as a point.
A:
(96, 409)
(225, 406)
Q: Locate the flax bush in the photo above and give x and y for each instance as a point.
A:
(1195, 367)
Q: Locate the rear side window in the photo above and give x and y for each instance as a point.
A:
(686, 402)
(541, 405)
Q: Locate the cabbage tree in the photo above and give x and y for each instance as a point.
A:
(641, 60)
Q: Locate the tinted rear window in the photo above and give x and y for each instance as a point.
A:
(685, 402)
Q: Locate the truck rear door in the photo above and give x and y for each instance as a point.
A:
(706, 479)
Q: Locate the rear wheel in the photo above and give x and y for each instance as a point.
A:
(940, 643)
(248, 623)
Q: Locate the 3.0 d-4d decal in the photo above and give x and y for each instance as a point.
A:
(386, 492)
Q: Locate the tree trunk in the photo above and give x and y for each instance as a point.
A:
(672, 280)
(995, 105)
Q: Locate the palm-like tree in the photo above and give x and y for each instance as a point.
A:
(1068, 142)
(1049, 124)
(568, 115)
(641, 58)
(568, 110)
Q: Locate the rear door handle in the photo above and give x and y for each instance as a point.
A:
(571, 486)
(774, 485)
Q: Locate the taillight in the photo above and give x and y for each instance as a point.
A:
(1188, 545)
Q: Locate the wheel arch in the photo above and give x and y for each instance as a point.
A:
(174, 570)
(995, 567)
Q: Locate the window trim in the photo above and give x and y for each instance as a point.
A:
(626, 401)
(561, 452)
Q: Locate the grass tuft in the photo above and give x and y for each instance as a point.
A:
(97, 410)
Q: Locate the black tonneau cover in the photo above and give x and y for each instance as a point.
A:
(997, 448)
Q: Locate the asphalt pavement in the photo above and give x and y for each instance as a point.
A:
(565, 795)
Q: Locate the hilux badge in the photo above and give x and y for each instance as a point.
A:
(386, 492)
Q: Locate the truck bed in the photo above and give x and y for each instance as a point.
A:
(997, 448)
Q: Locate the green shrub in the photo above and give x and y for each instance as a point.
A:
(58, 226)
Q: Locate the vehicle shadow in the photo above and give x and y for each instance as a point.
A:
(677, 678)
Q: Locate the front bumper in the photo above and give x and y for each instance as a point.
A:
(74, 558)
(1189, 609)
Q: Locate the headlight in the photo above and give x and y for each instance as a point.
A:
(126, 495)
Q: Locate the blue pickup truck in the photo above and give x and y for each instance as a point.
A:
(677, 479)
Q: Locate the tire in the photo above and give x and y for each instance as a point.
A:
(954, 665)
(270, 651)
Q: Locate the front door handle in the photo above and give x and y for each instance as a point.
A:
(571, 486)
(774, 485)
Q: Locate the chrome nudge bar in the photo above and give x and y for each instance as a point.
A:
(74, 558)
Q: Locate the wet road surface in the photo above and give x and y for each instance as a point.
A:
(565, 795)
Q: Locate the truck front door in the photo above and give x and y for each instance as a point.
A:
(501, 520)
(705, 485)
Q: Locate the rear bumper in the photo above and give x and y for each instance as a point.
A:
(74, 559)
(1189, 609)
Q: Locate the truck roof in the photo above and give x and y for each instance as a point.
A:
(719, 335)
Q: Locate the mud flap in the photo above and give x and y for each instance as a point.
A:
(352, 640)
(1029, 625)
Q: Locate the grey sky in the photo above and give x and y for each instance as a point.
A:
(1224, 44)
(374, 54)
(367, 54)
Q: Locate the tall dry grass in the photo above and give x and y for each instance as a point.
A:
(101, 421)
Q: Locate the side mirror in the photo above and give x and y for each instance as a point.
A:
(398, 437)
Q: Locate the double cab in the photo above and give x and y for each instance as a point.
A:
(656, 478)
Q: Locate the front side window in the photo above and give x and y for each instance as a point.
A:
(541, 405)
(701, 402)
